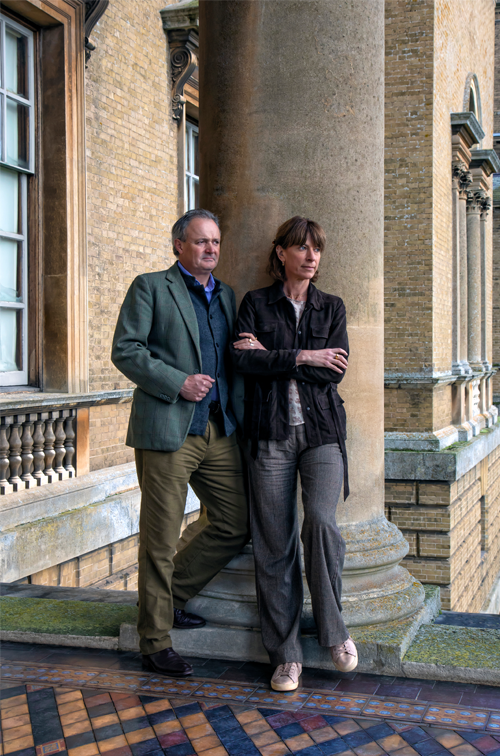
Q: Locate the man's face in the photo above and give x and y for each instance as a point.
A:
(199, 254)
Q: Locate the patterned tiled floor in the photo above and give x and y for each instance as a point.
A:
(86, 703)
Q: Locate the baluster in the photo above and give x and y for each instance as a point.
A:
(27, 452)
(69, 427)
(59, 448)
(5, 486)
(49, 452)
(15, 460)
(38, 455)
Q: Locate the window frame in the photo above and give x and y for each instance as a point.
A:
(18, 377)
(190, 178)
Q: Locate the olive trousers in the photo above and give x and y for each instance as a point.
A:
(212, 465)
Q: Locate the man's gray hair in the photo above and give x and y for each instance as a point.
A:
(180, 226)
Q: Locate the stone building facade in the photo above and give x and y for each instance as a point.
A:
(129, 128)
(442, 437)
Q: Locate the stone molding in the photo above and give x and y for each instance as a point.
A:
(447, 465)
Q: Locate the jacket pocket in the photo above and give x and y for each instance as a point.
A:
(319, 335)
(266, 334)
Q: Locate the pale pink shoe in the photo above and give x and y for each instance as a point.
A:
(345, 656)
(286, 676)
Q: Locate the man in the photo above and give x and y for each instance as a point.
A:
(172, 340)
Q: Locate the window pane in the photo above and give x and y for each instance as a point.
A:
(17, 138)
(11, 270)
(16, 56)
(10, 340)
(196, 154)
(9, 201)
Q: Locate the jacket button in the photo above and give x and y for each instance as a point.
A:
(196, 371)
(299, 332)
(167, 398)
(308, 409)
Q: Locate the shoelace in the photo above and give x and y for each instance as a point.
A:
(287, 667)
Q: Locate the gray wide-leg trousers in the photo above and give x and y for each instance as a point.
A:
(275, 535)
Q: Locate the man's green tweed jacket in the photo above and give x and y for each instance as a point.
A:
(156, 345)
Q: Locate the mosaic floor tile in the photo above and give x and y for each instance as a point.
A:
(393, 710)
(336, 703)
(224, 692)
(451, 715)
(494, 722)
(167, 686)
(273, 698)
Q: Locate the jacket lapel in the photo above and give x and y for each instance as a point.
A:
(180, 294)
(225, 303)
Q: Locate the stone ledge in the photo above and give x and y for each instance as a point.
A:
(22, 402)
(447, 465)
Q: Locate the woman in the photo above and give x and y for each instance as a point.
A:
(292, 350)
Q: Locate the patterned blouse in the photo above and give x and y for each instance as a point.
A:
(294, 406)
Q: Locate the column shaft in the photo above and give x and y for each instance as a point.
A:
(289, 125)
(462, 212)
(474, 279)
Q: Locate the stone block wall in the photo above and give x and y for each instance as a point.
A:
(113, 566)
(453, 530)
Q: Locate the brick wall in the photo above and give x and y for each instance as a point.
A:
(432, 46)
(453, 531)
(408, 184)
(107, 430)
(131, 185)
(463, 43)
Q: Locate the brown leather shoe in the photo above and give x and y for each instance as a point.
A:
(167, 662)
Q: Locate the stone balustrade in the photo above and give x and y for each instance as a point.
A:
(36, 448)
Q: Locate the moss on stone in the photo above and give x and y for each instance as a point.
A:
(64, 617)
(456, 646)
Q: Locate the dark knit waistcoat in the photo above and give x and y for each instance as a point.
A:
(214, 341)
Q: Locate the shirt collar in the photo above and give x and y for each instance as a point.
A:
(314, 296)
(211, 281)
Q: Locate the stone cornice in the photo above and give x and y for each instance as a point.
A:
(468, 126)
(488, 160)
(182, 15)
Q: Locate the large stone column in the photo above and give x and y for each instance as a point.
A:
(292, 122)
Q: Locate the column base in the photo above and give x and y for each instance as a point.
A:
(381, 648)
(461, 368)
(376, 589)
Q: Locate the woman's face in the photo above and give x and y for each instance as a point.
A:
(301, 261)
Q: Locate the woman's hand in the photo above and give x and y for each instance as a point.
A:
(248, 341)
(329, 358)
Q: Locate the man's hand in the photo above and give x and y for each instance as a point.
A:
(329, 358)
(196, 387)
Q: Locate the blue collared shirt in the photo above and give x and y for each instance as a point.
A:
(208, 288)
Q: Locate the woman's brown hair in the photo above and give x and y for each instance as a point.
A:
(291, 233)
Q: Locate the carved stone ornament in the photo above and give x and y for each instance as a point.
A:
(485, 205)
(475, 199)
(462, 176)
(94, 9)
(180, 21)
